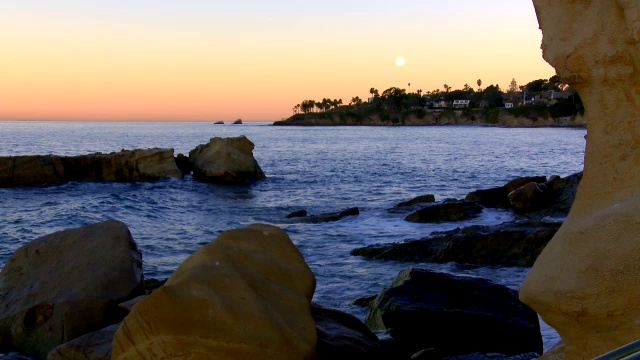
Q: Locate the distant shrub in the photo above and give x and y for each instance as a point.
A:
(492, 116)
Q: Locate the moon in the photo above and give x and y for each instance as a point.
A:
(400, 61)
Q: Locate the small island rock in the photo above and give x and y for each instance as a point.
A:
(226, 161)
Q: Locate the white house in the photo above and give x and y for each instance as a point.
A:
(461, 103)
(508, 105)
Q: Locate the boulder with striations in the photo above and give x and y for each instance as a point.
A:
(245, 295)
(66, 284)
(585, 282)
(226, 161)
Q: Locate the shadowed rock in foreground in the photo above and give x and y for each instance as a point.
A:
(129, 165)
(245, 295)
(454, 315)
(509, 244)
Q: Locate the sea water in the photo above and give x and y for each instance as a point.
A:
(319, 169)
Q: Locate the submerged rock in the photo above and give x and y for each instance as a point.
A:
(446, 212)
(296, 214)
(329, 217)
(67, 284)
(497, 197)
(245, 295)
(429, 198)
(130, 165)
(454, 315)
(508, 244)
(226, 161)
(183, 164)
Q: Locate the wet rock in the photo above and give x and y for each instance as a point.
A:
(296, 214)
(508, 244)
(91, 346)
(553, 198)
(446, 212)
(329, 217)
(237, 122)
(150, 285)
(497, 197)
(129, 304)
(364, 301)
(67, 284)
(429, 198)
(226, 161)
(455, 315)
(343, 336)
(245, 295)
(31, 170)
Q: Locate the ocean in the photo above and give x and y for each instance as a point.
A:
(320, 169)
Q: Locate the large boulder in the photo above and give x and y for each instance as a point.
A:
(67, 284)
(422, 199)
(245, 295)
(497, 197)
(445, 212)
(126, 165)
(30, 170)
(343, 336)
(585, 282)
(226, 161)
(553, 197)
(454, 315)
(508, 244)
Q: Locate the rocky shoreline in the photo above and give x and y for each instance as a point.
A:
(502, 118)
(256, 277)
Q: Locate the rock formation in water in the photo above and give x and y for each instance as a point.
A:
(226, 161)
(130, 165)
(587, 280)
(66, 284)
(245, 295)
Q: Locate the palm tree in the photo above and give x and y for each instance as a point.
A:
(466, 87)
(479, 82)
(374, 92)
(419, 91)
(447, 87)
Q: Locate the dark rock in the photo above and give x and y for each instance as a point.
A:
(364, 301)
(553, 198)
(329, 217)
(497, 197)
(296, 214)
(494, 356)
(218, 123)
(427, 354)
(446, 212)
(152, 284)
(30, 170)
(183, 164)
(429, 198)
(508, 244)
(455, 315)
(343, 336)
(237, 122)
(91, 346)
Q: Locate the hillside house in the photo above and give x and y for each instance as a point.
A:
(461, 104)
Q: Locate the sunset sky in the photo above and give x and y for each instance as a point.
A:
(249, 59)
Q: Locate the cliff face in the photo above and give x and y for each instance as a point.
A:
(451, 117)
(586, 281)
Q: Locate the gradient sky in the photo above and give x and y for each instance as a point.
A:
(249, 59)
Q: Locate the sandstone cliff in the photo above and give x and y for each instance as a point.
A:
(586, 281)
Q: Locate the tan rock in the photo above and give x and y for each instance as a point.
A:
(586, 281)
(226, 160)
(66, 284)
(128, 165)
(30, 170)
(245, 295)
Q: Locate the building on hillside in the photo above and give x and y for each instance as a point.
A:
(461, 103)
(552, 94)
(440, 104)
(508, 105)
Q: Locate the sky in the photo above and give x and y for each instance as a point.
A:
(250, 59)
